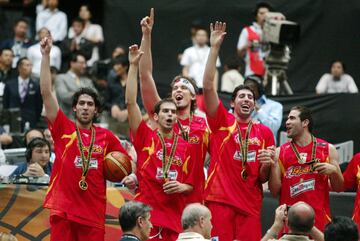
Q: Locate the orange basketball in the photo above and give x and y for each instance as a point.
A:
(117, 165)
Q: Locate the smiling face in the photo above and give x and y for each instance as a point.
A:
(85, 110)
(166, 117)
(243, 103)
(294, 125)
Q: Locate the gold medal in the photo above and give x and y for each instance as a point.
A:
(83, 184)
(244, 174)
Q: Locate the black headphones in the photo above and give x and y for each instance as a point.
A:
(36, 142)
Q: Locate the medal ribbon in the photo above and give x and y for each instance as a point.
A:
(184, 134)
(313, 151)
(244, 144)
(167, 164)
(85, 160)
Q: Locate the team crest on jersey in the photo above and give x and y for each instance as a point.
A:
(176, 159)
(295, 171)
(251, 157)
(194, 140)
(96, 149)
(303, 157)
(302, 187)
(252, 141)
(93, 163)
(173, 174)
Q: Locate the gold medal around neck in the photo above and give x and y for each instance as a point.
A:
(244, 174)
(83, 184)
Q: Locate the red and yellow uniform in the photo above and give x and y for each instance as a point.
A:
(352, 181)
(235, 203)
(65, 198)
(167, 208)
(198, 137)
(299, 182)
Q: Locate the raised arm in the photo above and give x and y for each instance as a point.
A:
(148, 88)
(134, 113)
(211, 97)
(275, 176)
(49, 99)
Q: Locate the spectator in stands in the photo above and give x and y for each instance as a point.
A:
(24, 93)
(19, 43)
(188, 42)
(194, 58)
(351, 182)
(7, 237)
(34, 54)
(231, 77)
(37, 159)
(6, 70)
(337, 81)
(300, 219)
(134, 219)
(249, 46)
(91, 32)
(341, 229)
(32, 134)
(196, 222)
(54, 20)
(267, 112)
(70, 82)
(77, 43)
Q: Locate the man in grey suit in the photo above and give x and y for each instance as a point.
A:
(67, 84)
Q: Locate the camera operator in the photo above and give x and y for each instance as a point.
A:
(249, 46)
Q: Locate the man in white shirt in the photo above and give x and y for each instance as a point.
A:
(54, 20)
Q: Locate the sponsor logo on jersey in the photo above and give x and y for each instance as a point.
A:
(252, 141)
(173, 174)
(93, 163)
(251, 157)
(295, 171)
(194, 140)
(302, 187)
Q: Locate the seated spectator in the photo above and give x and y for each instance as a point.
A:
(300, 219)
(76, 44)
(32, 134)
(337, 81)
(24, 93)
(70, 82)
(92, 32)
(34, 54)
(6, 70)
(341, 229)
(54, 20)
(231, 77)
(19, 43)
(196, 223)
(134, 219)
(37, 159)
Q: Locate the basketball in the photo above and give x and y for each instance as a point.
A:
(117, 165)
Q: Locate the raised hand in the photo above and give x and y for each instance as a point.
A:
(147, 23)
(134, 54)
(217, 33)
(46, 45)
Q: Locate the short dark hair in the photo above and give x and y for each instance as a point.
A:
(297, 223)
(36, 142)
(30, 130)
(262, 5)
(193, 83)
(130, 212)
(241, 87)
(17, 21)
(232, 62)
(158, 104)
(305, 113)
(74, 56)
(338, 61)
(20, 62)
(5, 49)
(79, 20)
(121, 59)
(341, 229)
(87, 91)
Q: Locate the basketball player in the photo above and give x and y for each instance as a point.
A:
(77, 191)
(190, 126)
(164, 167)
(304, 167)
(241, 156)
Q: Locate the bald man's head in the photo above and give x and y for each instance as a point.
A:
(301, 218)
(197, 218)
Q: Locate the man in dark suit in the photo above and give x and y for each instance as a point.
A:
(24, 93)
(134, 218)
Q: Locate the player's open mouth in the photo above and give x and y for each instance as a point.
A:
(245, 107)
(178, 97)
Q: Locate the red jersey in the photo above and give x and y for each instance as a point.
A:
(198, 137)
(299, 182)
(167, 208)
(352, 181)
(64, 195)
(225, 184)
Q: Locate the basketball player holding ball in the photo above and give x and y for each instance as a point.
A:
(164, 165)
(77, 190)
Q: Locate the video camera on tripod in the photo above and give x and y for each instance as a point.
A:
(278, 34)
